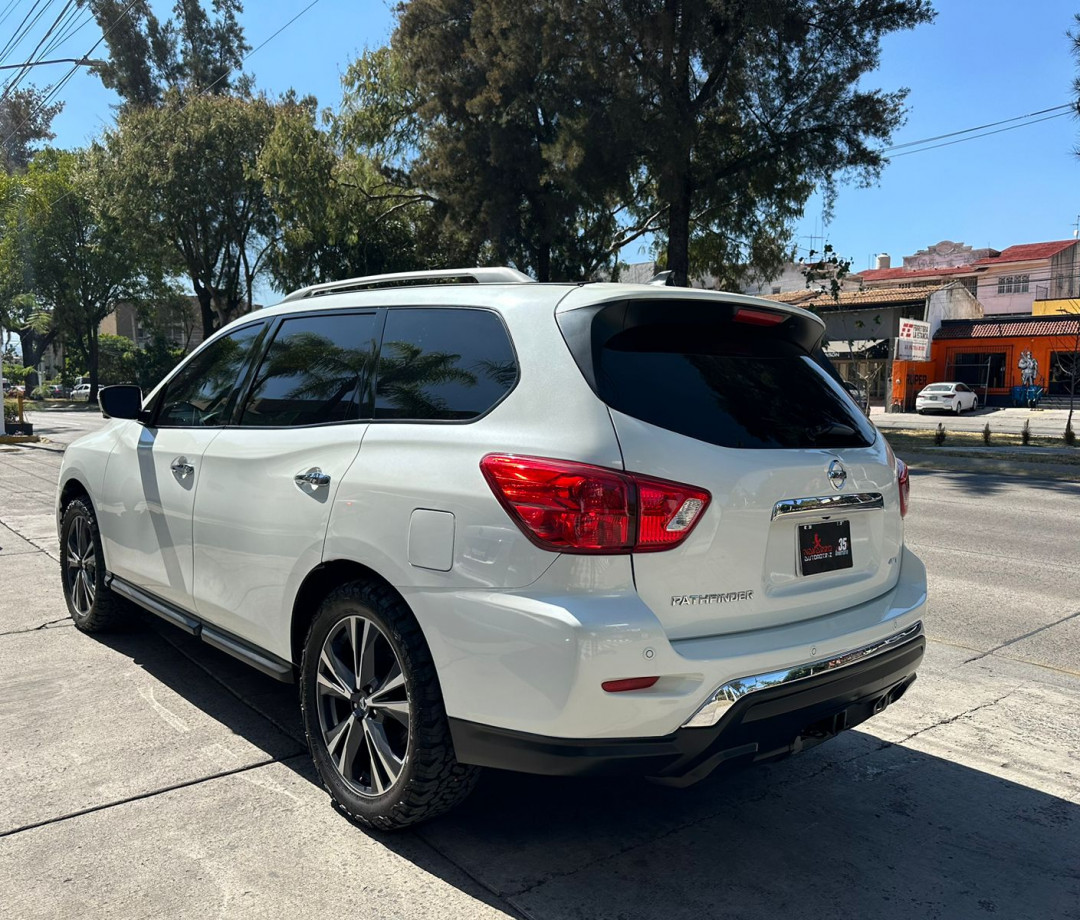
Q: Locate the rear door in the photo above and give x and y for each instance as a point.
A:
(269, 480)
(804, 518)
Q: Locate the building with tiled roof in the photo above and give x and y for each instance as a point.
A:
(1007, 282)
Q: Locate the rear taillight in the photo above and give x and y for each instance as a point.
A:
(904, 483)
(578, 508)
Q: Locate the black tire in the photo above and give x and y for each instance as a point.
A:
(399, 720)
(959, 407)
(92, 606)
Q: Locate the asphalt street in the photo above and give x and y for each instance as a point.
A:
(146, 775)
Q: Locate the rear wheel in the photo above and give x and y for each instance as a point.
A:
(92, 606)
(373, 712)
(959, 407)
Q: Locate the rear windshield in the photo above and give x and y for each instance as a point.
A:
(938, 388)
(727, 383)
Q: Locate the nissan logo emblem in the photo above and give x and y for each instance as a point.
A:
(837, 474)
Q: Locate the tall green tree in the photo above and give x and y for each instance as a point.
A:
(338, 216)
(25, 121)
(75, 259)
(710, 122)
(183, 176)
(194, 51)
(747, 106)
(516, 120)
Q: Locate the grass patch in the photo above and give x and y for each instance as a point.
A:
(1007, 454)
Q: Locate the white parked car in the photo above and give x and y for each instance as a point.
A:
(555, 528)
(946, 397)
(82, 391)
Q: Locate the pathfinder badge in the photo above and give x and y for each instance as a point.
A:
(684, 600)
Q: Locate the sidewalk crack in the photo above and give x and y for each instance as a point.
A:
(30, 629)
(151, 794)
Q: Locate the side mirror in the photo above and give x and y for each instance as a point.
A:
(121, 402)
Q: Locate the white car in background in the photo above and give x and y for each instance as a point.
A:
(568, 529)
(946, 397)
(82, 391)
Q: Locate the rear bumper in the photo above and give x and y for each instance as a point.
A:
(763, 724)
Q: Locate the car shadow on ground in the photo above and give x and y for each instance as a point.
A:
(857, 828)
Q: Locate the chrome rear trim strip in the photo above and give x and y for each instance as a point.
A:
(725, 696)
(855, 501)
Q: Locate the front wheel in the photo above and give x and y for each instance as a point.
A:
(373, 712)
(92, 606)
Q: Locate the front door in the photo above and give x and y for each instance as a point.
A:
(154, 472)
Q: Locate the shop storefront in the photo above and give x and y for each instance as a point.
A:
(990, 356)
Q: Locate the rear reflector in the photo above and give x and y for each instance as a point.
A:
(759, 317)
(571, 507)
(629, 683)
(903, 480)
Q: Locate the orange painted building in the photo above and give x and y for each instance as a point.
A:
(984, 354)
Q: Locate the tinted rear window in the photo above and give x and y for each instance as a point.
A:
(443, 364)
(728, 384)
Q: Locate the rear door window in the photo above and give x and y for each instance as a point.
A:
(443, 364)
(317, 371)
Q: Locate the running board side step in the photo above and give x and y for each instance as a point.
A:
(217, 638)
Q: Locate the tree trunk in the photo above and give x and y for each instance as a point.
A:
(678, 198)
(206, 310)
(92, 361)
(34, 345)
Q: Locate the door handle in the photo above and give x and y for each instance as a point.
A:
(313, 477)
(182, 467)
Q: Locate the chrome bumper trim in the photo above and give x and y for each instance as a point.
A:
(725, 696)
(855, 501)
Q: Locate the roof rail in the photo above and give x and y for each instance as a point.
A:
(496, 275)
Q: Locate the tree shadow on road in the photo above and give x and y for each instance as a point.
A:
(985, 485)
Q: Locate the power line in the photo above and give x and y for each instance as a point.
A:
(993, 124)
(975, 136)
(55, 89)
(261, 45)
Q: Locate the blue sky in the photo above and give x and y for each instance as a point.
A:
(981, 61)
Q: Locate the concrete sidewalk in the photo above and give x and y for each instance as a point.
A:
(1042, 422)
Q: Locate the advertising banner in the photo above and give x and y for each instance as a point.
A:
(913, 342)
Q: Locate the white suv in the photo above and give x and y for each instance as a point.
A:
(555, 528)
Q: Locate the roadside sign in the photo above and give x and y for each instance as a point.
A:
(913, 341)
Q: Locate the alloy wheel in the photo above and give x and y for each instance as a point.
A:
(363, 705)
(81, 561)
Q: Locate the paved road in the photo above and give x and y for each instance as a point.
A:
(62, 426)
(146, 775)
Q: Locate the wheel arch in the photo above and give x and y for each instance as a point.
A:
(72, 489)
(318, 583)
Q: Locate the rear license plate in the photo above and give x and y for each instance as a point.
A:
(824, 547)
